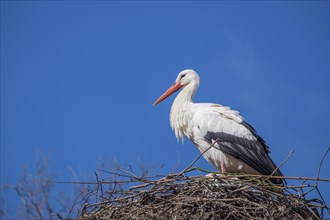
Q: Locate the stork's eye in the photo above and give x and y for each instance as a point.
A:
(183, 75)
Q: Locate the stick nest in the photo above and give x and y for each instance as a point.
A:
(214, 196)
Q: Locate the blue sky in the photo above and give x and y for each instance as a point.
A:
(78, 80)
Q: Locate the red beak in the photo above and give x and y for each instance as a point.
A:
(175, 87)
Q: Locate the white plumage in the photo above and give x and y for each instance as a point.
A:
(238, 147)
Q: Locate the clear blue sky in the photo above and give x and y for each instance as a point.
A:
(78, 80)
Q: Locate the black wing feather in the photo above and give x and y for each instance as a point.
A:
(254, 132)
(253, 153)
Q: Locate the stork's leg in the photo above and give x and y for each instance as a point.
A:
(223, 168)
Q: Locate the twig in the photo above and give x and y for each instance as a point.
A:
(317, 181)
(319, 169)
(278, 167)
(197, 158)
(238, 175)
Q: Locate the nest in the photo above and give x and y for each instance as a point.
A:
(180, 196)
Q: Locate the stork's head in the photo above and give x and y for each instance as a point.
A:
(187, 76)
(184, 78)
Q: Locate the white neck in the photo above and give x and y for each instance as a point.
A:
(179, 115)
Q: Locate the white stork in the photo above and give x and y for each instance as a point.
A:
(238, 147)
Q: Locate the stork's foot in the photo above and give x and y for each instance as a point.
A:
(221, 176)
(213, 175)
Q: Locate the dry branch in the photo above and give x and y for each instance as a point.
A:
(183, 196)
(215, 196)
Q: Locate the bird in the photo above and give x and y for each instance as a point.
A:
(221, 134)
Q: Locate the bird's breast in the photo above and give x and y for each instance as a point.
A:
(180, 118)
